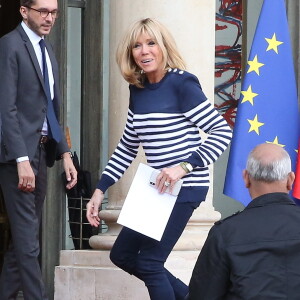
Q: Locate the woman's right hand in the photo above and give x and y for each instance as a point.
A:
(93, 208)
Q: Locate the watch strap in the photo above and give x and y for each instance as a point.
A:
(186, 166)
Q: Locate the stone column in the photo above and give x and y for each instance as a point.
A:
(90, 274)
(192, 24)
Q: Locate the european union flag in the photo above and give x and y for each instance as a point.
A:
(268, 107)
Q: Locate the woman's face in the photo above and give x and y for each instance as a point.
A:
(148, 56)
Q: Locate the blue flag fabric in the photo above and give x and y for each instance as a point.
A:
(268, 107)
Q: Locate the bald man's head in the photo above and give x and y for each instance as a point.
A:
(268, 162)
(268, 170)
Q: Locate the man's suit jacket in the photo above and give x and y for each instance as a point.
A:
(23, 100)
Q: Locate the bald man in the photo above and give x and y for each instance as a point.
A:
(255, 254)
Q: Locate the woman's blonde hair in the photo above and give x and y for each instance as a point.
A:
(171, 57)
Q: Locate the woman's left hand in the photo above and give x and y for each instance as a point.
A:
(168, 177)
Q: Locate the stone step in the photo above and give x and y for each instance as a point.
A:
(95, 283)
(90, 275)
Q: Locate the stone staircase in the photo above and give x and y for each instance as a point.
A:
(90, 275)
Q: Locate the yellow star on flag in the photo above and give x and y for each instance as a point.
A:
(254, 65)
(273, 43)
(255, 124)
(248, 95)
(276, 142)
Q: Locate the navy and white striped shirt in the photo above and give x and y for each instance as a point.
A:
(165, 118)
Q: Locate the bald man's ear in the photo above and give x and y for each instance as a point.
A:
(246, 178)
(290, 180)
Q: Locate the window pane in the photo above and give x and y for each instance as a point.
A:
(73, 99)
(74, 76)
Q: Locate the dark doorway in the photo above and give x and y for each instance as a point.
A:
(10, 16)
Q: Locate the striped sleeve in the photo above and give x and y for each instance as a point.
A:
(218, 134)
(202, 113)
(122, 157)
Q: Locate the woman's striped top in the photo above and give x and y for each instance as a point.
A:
(165, 119)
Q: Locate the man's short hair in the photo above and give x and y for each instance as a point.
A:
(269, 171)
(27, 3)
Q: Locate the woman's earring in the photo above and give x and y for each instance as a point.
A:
(142, 71)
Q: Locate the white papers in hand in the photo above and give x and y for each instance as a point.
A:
(145, 210)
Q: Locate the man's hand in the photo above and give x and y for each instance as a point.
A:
(92, 208)
(26, 176)
(70, 170)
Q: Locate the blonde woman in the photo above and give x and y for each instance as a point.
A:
(166, 110)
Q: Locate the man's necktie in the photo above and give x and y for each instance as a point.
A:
(51, 117)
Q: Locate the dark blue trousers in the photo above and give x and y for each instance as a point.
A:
(144, 257)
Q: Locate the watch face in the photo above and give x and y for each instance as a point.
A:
(189, 166)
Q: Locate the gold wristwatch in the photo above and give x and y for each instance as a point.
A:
(186, 166)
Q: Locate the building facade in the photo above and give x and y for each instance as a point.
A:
(85, 38)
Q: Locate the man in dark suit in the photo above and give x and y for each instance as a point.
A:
(255, 254)
(31, 140)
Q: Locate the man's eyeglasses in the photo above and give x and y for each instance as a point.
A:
(44, 13)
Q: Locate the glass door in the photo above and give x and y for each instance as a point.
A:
(73, 120)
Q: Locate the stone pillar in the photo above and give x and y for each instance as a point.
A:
(90, 274)
(192, 24)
